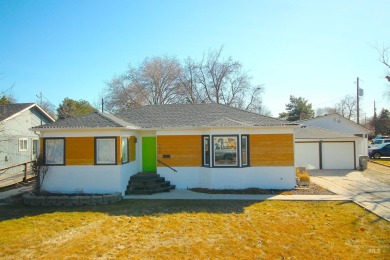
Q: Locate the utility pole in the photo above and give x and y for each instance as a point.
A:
(357, 99)
(40, 104)
(102, 105)
(375, 119)
(40, 98)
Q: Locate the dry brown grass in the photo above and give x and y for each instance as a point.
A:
(194, 229)
(382, 162)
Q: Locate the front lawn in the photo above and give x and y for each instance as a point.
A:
(382, 162)
(155, 229)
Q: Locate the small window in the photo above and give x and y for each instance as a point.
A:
(206, 151)
(225, 151)
(125, 153)
(244, 150)
(23, 144)
(105, 152)
(55, 151)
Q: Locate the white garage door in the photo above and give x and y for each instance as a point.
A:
(338, 155)
(307, 155)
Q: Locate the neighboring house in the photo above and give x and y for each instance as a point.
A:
(18, 144)
(209, 145)
(330, 142)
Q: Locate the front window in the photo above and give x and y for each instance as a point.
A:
(55, 151)
(225, 151)
(206, 150)
(105, 150)
(244, 150)
(125, 154)
(23, 144)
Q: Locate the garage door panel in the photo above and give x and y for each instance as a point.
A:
(338, 155)
(307, 155)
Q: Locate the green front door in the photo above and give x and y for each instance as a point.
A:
(149, 158)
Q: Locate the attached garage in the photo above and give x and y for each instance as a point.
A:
(338, 155)
(317, 148)
(307, 155)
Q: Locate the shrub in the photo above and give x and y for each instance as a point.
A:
(302, 175)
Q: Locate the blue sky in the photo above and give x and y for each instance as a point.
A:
(313, 49)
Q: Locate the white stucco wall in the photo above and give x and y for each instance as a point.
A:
(107, 179)
(230, 178)
(89, 179)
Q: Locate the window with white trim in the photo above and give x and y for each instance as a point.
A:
(105, 150)
(125, 150)
(244, 150)
(225, 151)
(206, 150)
(23, 144)
(54, 151)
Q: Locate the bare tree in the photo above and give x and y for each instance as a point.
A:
(6, 96)
(383, 53)
(40, 170)
(48, 107)
(264, 111)
(347, 107)
(188, 82)
(384, 59)
(164, 80)
(154, 82)
(325, 111)
(223, 81)
(159, 76)
(123, 93)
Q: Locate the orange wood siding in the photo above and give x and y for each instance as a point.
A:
(119, 150)
(132, 149)
(41, 148)
(79, 151)
(184, 150)
(271, 150)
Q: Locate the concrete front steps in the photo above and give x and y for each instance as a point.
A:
(147, 183)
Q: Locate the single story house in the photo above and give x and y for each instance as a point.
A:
(330, 142)
(191, 145)
(18, 144)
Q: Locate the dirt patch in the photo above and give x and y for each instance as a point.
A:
(313, 189)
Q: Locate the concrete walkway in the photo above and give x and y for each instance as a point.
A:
(190, 195)
(372, 195)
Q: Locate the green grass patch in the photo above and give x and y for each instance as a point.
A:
(194, 229)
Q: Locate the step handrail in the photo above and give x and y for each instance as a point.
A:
(167, 165)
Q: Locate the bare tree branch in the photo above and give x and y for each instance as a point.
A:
(164, 80)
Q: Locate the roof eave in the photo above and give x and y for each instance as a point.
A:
(28, 108)
(46, 129)
(210, 127)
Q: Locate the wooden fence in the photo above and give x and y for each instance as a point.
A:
(8, 175)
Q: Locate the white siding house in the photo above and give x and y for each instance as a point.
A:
(191, 145)
(19, 144)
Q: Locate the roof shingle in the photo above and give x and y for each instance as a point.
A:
(171, 116)
(312, 132)
(195, 115)
(7, 110)
(94, 120)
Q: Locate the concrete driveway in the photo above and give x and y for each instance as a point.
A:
(370, 194)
